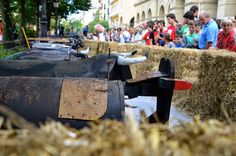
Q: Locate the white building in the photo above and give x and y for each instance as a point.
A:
(123, 11)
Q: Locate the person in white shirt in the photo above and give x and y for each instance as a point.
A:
(138, 36)
(125, 35)
(102, 36)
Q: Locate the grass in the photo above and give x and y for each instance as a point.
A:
(7, 52)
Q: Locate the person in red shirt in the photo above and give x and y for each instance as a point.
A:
(225, 39)
(171, 29)
(234, 48)
(146, 37)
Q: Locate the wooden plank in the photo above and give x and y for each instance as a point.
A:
(147, 76)
(26, 39)
(84, 99)
(60, 40)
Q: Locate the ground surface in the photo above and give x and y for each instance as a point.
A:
(148, 104)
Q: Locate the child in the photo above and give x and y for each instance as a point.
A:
(168, 41)
(178, 41)
(190, 40)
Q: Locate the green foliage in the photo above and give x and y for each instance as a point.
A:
(30, 12)
(72, 25)
(97, 20)
(30, 33)
(6, 52)
(1, 47)
(67, 7)
(11, 12)
(104, 23)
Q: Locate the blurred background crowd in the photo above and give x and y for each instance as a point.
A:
(198, 30)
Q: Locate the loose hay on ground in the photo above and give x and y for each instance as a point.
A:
(114, 138)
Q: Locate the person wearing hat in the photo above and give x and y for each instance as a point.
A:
(225, 39)
(1, 30)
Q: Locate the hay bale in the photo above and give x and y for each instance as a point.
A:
(213, 74)
(112, 138)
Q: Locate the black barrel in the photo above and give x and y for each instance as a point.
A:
(37, 99)
(94, 67)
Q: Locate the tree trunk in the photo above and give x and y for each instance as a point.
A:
(7, 20)
(49, 13)
(22, 18)
(37, 17)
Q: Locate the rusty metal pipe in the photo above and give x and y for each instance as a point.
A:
(39, 98)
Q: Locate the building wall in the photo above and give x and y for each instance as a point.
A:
(158, 9)
(144, 9)
(115, 12)
(127, 11)
(226, 8)
(101, 8)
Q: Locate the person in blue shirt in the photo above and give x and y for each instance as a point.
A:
(85, 31)
(208, 37)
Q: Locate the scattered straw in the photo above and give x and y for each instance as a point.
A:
(114, 138)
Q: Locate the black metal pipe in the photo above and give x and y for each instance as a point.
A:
(43, 21)
(38, 98)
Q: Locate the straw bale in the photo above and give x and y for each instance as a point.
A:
(213, 74)
(112, 138)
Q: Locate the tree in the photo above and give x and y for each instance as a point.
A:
(65, 8)
(22, 14)
(6, 19)
(25, 13)
(97, 20)
(74, 25)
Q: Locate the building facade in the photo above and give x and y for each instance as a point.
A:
(124, 12)
(104, 9)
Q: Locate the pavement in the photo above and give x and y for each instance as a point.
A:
(148, 105)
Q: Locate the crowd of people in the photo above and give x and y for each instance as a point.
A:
(198, 30)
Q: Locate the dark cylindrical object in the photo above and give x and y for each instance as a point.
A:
(38, 98)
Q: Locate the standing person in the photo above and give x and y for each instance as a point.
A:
(191, 38)
(161, 31)
(102, 36)
(132, 34)
(124, 35)
(171, 29)
(95, 35)
(113, 34)
(138, 36)
(85, 31)
(146, 37)
(61, 32)
(118, 34)
(225, 38)
(187, 17)
(1, 30)
(152, 34)
(208, 37)
(194, 9)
